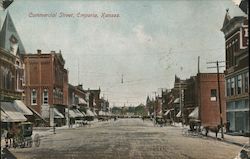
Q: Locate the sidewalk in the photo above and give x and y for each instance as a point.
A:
(46, 131)
(232, 139)
(236, 140)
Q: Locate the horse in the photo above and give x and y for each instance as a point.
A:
(215, 129)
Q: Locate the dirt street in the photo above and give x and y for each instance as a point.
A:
(127, 138)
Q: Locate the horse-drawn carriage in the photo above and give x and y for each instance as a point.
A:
(160, 121)
(195, 125)
(22, 137)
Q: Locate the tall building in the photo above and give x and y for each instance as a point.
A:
(199, 100)
(11, 65)
(208, 98)
(13, 110)
(46, 85)
(237, 70)
(94, 99)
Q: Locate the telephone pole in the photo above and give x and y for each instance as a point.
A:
(155, 109)
(219, 98)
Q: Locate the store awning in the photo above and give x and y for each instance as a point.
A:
(89, 113)
(179, 114)
(160, 112)
(177, 100)
(11, 111)
(4, 117)
(94, 113)
(72, 114)
(57, 114)
(78, 113)
(194, 114)
(83, 113)
(36, 114)
(82, 101)
(22, 107)
(166, 113)
(101, 113)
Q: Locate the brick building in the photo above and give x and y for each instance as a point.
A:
(237, 70)
(94, 99)
(190, 97)
(198, 96)
(178, 104)
(11, 65)
(77, 104)
(207, 98)
(13, 110)
(46, 85)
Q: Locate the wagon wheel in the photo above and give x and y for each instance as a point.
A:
(22, 142)
(15, 142)
(30, 143)
(37, 140)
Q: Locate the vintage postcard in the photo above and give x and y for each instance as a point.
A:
(124, 79)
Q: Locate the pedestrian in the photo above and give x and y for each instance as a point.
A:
(228, 126)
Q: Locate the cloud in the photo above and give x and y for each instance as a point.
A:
(141, 35)
(236, 2)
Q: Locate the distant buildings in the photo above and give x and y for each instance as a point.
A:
(196, 96)
(237, 70)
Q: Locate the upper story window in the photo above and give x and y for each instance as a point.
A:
(232, 86)
(246, 82)
(228, 87)
(33, 97)
(45, 96)
(239, 84)
(213, 95)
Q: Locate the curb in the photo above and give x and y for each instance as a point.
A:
(228, 141)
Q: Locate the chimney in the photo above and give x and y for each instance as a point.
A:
(39, 51)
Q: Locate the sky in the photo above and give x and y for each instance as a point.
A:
(145, 47)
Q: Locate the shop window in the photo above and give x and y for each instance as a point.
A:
(33, 97)
(213, 95)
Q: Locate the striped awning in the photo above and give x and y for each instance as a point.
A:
(57, 114)
(166, 113)
(72, 114)
(177, 100)
(12, 113)
(78, 113)
(4, 117)
(82, 101)
(194, 114)
(179, 114)
(89, 113)
(22, 107)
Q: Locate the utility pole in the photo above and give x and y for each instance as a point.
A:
(219, 98)
(181, 103)
(155, 109)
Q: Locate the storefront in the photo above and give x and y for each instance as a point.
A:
(238, 116)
